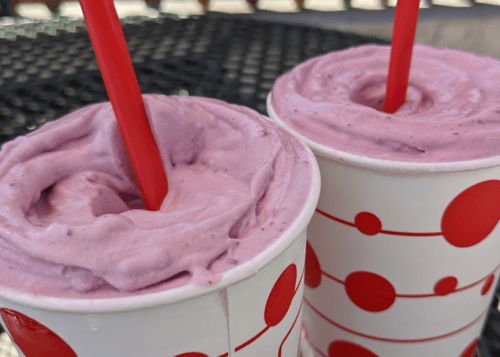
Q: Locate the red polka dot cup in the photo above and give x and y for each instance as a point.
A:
(402, 258)
(254, 310)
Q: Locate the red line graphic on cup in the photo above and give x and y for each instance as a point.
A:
(391, 340)
(36, 340)
(370, 225)
(374, 293)
(469, 218)
(289, 331)
(277, 306)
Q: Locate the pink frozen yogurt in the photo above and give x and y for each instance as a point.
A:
(72, 222)
(452, 112)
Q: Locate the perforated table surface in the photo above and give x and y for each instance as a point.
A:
(48, 69)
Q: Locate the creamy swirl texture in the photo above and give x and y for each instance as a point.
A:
(452, 111)
(72, 220)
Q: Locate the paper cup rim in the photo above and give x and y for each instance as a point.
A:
(182, 293)
(385, 165)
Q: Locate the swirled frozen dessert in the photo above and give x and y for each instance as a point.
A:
(452, 109)
(72, 221)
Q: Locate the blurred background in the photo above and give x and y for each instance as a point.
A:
(470, 25)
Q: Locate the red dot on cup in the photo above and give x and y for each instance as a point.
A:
(348, 349)
(472, 215)
(281, 296)
(445, 286)
(488, 283)
(33, 338)
(313, 269)
(367, 223)
(470, 349)
(370, 291)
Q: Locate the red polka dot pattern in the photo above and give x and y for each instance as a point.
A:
(34, 339)
(472, 215)
(471, 348)
(281, 296)
(445, 286)
(370, 291)
(313, 269)
(488, 283)
(367, 223)
(348, 349)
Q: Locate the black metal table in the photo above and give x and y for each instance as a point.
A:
(48, 68)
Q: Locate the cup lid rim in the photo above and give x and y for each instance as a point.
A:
(386, 165)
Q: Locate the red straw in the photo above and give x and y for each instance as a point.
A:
(204, 3)
(124, 93)
(403, 37)
(300, 4)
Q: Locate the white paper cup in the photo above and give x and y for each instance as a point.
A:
(254, 310)
(402, 258)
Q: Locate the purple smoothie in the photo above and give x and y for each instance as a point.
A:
(72, 222)
(452, 111)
